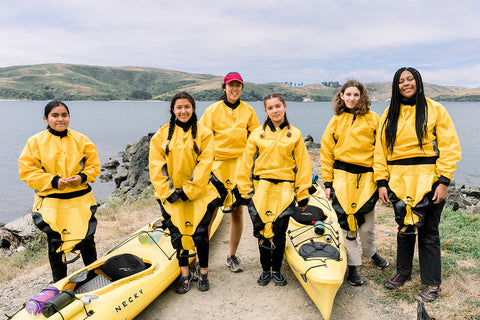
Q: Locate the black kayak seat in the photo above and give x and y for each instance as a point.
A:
(309, 215)
(123, 265)
(319, 249)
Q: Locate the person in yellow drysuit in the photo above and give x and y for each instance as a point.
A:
(180, 164)
(346, 155)
(58, 163)
(274, 173)
(416, 152)
(231, 120)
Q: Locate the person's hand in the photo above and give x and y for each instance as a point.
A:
(440, 194)
(328, 193)
(62, 183)
(383, 195)
(74, 181)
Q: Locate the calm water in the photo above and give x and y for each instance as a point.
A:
(112, 125)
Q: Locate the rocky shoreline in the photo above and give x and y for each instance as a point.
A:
(131, 178)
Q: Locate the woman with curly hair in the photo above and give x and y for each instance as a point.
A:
(346, 154)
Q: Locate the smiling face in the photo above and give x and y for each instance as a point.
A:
(275, 110)
(183, 110)
(350, 96)
(407, 84)
(233, 90)
(58, 118)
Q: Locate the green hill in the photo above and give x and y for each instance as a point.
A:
(82, 82)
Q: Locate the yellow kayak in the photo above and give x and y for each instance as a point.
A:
(316, 252)
(91, 294)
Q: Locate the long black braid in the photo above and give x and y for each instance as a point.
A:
(194, 132)
(193, 119)
(421, 111)
(267, 121)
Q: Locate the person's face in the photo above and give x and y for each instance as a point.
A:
(233, 90)
(350, 96)
(58, 119)
(407, 84)
(275, 110)
(183, 110)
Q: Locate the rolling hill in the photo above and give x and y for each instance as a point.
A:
(83, 82)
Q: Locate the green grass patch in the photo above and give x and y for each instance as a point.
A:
(460, 239)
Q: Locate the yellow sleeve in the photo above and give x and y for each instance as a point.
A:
(448, 144)
(201, 173)
(30, 167)
(327, 146)
(157, 164)
(92, 163)
(303, 177)
(380, 169)
(252, 122)
(244, 169)
(206, 119)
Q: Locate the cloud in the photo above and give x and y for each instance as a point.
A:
(304, 41)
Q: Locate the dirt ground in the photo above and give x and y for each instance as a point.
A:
(231, 295)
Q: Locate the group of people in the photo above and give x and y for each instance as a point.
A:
(227, 159)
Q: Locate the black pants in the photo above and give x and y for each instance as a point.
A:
(271, 258)
(59, 268)
(200, 237)
(428, 248)
(202, 253)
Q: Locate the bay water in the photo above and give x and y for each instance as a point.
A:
(112, 125)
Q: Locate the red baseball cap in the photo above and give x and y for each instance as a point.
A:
(232, 76)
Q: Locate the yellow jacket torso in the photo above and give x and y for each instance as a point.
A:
(230, 128)
(278, 157)
(46, 155)
(441, 140)
(348, 138)
(183, 168)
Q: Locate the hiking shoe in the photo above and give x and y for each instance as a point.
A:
(264, 278)
(203, 284)
(184, 284)
(279, 279)
(353, 277)
(234, 264)
(379, 261)
(396, 281)
(429, 294)
(196, 272)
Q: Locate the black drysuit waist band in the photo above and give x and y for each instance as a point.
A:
(352, 168)
(413, 161)
(69, 195)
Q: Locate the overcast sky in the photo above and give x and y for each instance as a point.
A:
(265, 40)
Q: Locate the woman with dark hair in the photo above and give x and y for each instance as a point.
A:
(281, 176)
(416, 152)
(231, 120)
(58, 163)
(180, 164)
(346, 155)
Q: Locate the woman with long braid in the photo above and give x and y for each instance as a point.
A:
(180, 164)
(231, 121)
(415, 157)
(282, 175)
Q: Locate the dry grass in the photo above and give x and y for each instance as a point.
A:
(460, 297)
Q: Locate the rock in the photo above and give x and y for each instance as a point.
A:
(106, 176)
(111, 164)
(308, 138)
(120, 176)
(23, 227)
